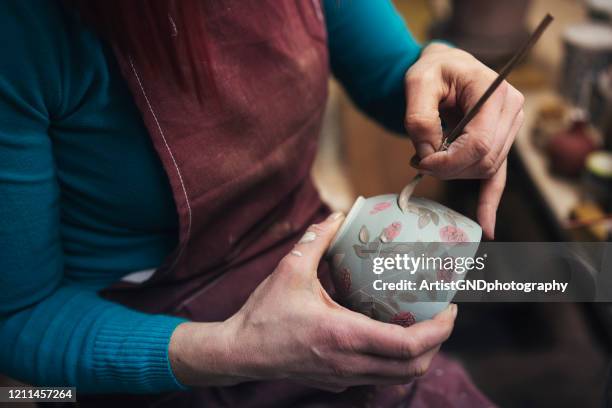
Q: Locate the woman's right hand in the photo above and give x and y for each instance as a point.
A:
(290, 328)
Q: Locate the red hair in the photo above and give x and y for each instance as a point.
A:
(167, 36)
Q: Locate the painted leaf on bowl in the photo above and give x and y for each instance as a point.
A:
(367, 306)
(450, 218)
(384, 308)
(365, 251)
(419, 248)
(364, 234)
(406, 296)
(389, 298)
(402, 248)
(372, 306)
(435, 218)
(432, 248)
(432, 294)
(423, 221)
(361, 251)
(424, 211)
(412, 208)
(454, 218)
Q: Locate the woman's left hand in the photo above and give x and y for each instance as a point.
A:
(442, 86)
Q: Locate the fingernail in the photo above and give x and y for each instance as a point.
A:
(336, 216)
(424, 149)
(426, 172)
(453, 309)
(489, 233)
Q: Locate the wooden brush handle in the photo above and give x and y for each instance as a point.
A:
(503, 74)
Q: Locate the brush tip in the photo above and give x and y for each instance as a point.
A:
(406, 193)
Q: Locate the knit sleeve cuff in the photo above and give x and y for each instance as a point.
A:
(132, 350)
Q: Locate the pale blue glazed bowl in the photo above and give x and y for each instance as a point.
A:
(377, 227)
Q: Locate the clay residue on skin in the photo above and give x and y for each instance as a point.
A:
(296, 253)
(337, 215)
(309, 236)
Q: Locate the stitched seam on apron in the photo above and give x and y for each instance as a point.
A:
(178, 171)
(317, 7)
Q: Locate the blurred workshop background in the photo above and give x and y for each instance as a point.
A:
(559, 186)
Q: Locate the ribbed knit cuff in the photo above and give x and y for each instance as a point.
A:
(131, 349)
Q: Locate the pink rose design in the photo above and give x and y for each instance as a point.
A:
(391, 232)
(380, 207)
(404, 319)
(344, 282)
(451, 233)
(445, 275)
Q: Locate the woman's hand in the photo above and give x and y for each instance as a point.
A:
(291, 329)
(444, 84)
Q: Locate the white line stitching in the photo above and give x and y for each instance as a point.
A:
(174, 32)
(317, 6)
(161, 132)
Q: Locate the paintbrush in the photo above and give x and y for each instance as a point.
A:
(407, 191)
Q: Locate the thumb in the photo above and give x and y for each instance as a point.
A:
(317, 239)
(422, 120)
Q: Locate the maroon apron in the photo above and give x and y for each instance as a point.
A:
(239, 167)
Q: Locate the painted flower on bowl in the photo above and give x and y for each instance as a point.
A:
(391, 232)
(380, 207)
(404, 319)
(377, 228)
(445, 274)
(451, 233)
(343, 282)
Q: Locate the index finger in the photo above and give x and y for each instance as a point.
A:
(393, 341)
(491, 192)
(477, 138)
(422, 117)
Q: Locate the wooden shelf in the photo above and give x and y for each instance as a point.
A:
(560, 195)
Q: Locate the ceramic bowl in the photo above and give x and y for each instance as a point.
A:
(377, 228)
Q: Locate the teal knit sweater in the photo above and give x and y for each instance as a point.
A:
(84, 199)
